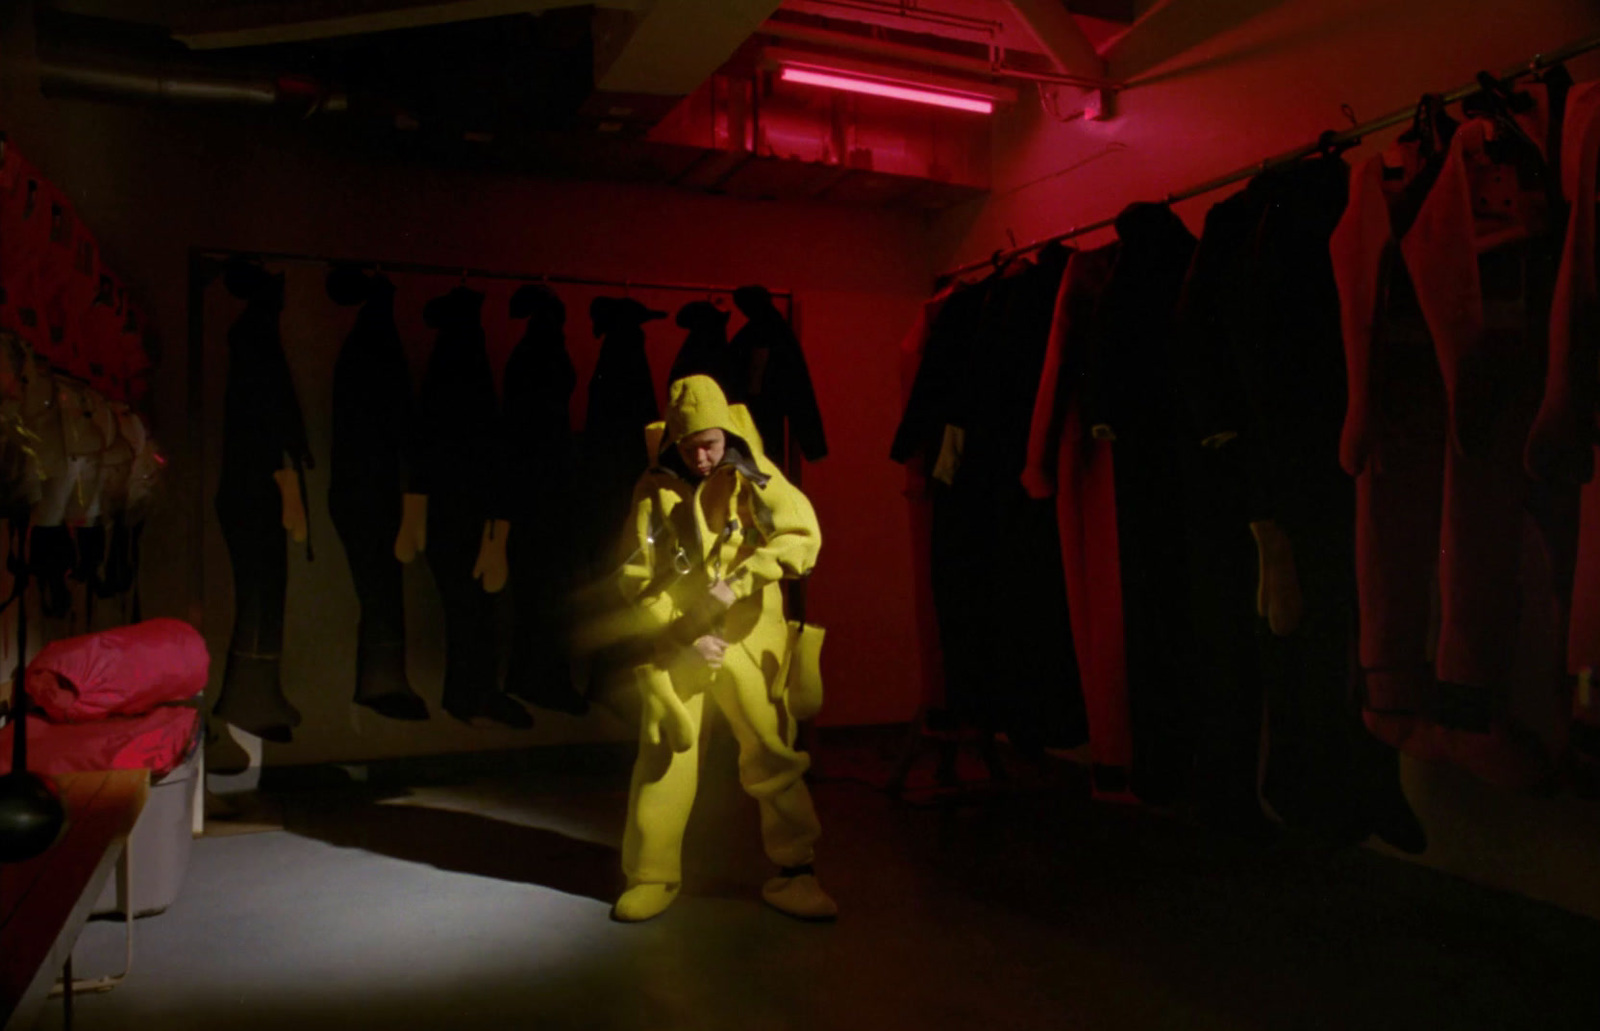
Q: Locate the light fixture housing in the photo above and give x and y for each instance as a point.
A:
(909, 84)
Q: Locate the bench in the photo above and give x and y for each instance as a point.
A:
(45, 901)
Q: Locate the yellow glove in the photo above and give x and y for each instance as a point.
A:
(950, 452)
(294, 506)
(413, 535)
(491, 565)
(665, 715)
(1278, 589)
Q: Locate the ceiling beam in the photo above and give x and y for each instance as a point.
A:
(299, 21)
(678, 44)
(1060, 36)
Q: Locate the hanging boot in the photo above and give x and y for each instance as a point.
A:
(252, 698)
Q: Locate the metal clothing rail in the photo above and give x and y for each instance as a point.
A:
(466, 273)
(1538, 63)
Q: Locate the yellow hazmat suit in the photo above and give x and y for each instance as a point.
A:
(748, 526)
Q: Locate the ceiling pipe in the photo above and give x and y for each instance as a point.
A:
(922, 56)
(166, 85)
(911, 13)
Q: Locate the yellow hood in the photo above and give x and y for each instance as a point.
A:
(697, 403)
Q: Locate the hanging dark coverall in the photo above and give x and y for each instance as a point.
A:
(1226, 668)
(994, 555)
(1266, 385)
(919, 508)
(458, 464)
(1446, 268)
(931, 408)
(1103, 441)
(1010, 550)
(705, 350)
(768, 372)
(1128, 396)
(371, 416)
(621, 402)
(262, 426)
(1564, 443)
(539, 382)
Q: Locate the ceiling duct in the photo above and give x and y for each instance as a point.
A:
(163, 84)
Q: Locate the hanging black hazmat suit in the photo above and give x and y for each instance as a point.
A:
(262, 425)
(1128, 392)
(622, 401)
(458, 463)
(371, 410)
(1262, 327)
(539, 382)
(769, 372)
(998, 552)
(995, 555)
(705, 349)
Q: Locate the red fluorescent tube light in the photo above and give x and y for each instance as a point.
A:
(831, 71)
(885, 88)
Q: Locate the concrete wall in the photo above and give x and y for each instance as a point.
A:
(155, 183)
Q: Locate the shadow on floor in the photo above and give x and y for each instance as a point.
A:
(461, 842)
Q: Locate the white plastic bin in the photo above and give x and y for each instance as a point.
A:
(160, 844)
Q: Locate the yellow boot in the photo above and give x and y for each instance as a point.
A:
(642, 902)
(796, 892)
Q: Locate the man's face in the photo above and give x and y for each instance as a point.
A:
(703, 451)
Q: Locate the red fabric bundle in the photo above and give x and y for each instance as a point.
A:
(126, 671)
(158, 741)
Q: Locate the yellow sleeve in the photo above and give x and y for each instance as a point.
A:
(791, 536)
(645, 547)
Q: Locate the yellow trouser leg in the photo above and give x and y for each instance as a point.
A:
(770, 769)
(663, 789)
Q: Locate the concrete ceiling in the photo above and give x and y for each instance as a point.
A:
(505, 69)
(649, 47)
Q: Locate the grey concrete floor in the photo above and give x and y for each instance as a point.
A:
(483, 902)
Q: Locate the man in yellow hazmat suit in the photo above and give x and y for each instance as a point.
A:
(715, 530)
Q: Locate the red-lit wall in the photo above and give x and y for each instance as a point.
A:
(154, 183)
(1219, 85)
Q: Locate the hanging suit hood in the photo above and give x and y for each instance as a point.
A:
(456, 447)
(705, 349)
(371, 415)
(262, 425)
(621, 400)
(459, 464)
(538, 387)
(769, 373)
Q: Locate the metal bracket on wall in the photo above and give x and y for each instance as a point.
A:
(1098, 105)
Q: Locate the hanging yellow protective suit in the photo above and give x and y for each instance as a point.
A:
(747, 526)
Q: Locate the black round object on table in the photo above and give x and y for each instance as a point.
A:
(31, 816)
(31, 813)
